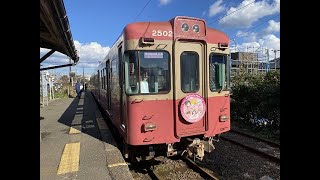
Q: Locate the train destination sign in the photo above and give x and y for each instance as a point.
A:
(153, 55)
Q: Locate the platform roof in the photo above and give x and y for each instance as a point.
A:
(55, 33)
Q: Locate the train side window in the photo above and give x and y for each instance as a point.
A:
(120, 64)
(104, 78)
(131, 72)
(189, 71)
(101, 77)
(218, 72)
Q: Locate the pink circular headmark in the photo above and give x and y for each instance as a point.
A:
(193, 108)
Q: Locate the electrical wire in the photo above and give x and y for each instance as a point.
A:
(239, 35)
(142, 10)
(232, 12)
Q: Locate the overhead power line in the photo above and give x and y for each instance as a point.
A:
(142, 10)
(231, 12)
(239, 35)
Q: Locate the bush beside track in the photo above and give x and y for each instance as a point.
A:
(255, 102)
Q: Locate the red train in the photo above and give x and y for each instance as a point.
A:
(165, 87)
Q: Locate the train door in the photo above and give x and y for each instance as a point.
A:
(99, 84)
(189, 91)
(108, 85)
(123, 97)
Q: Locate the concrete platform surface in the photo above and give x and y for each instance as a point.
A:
(75, 142)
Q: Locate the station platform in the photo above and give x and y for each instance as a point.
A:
(75, 142)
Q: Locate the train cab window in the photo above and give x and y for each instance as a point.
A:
(189, 72)
(218, 73)
(147, 72)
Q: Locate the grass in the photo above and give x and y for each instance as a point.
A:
(60, 95)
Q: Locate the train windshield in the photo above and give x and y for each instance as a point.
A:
(147, 72)
(218, 75)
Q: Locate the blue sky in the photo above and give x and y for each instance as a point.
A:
(252, 25)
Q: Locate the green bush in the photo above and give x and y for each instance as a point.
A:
(60, 95)
(62, 92)
(256, 96)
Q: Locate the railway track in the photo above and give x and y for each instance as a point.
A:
(200, 170)
(203, 174)
(182, 168)
(262, 147)
(254, 137)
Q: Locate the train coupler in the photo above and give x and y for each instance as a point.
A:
(196, 149)
(208, 145)
(170, 150)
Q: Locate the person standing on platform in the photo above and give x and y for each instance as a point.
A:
(77, 87)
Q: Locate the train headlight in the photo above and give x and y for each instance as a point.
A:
(150, 126)
(195, 28)
(185, 27)
(223, 118)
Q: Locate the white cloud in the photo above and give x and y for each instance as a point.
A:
(164, 2)
(91, 52)
(273, 27)
(216, 8)
(44, 51)
(270, 41)
(244, 17)
(55, 58)
(248, 36)
(89, 55)
(241, 34)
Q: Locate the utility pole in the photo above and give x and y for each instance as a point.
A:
(49, 82)
(235, 45)
(69, 78)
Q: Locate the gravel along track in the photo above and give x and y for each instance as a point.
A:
(228, 161)
(231, 161)
(269, 150)
(165, 168)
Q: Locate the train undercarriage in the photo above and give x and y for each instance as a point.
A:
(192, 147)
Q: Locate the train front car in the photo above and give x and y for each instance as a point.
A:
(176, 81)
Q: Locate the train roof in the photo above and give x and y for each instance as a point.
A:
(150, 29)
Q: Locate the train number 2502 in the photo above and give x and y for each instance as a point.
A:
(161, 33)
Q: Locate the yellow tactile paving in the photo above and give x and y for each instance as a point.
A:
(117, 164)
(70, 158)
(74, 131)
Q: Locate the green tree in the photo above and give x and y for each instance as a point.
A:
(256, 96)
